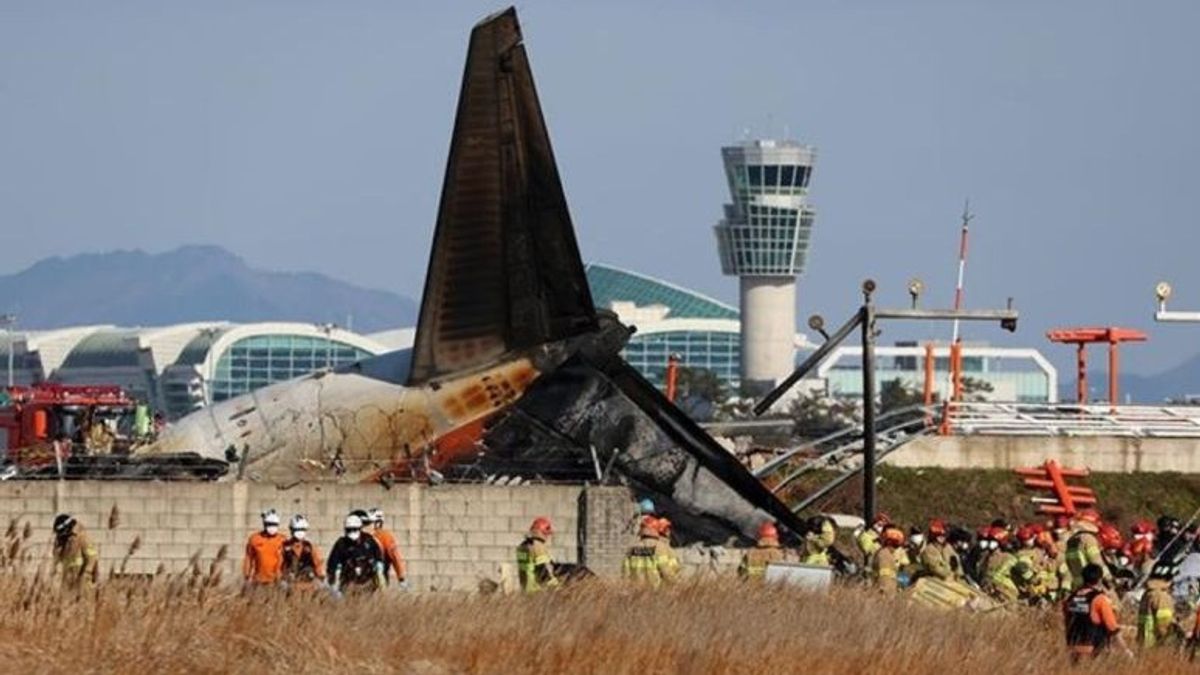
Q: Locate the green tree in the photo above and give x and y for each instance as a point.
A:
(814, 414)
(975, 389)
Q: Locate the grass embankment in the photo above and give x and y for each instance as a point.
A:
(717, 627)
(976, 496)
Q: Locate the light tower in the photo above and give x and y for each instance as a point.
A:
(763, 240)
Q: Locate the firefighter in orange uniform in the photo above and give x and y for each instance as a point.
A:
(1091, 620)
(393, 559)
(302, 567)
(263, 565)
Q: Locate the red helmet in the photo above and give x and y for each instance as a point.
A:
(893, 536)
(1000, 534)
(937, 528)
(664, 527)
(541, 526)
(768, 531)
(648, 527)
(1142, 527)
(1027, 533)
(1062, 522)
(1045, 539)
(1110, 538)
(1089, 516)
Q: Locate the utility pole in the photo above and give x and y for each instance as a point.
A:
(866, 318)
(868, 383)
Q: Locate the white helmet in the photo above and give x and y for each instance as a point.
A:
(375, 515)
(298, 522)
(270, 517)
(353, 522)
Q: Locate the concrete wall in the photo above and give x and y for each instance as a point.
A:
(1108, 454)
(452, 536)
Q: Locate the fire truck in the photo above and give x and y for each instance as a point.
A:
(84, 431)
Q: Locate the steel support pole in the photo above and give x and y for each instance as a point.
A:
(1081, 376)
(1114, 367)
(868, 379)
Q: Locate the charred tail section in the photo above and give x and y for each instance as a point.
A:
(505, 272)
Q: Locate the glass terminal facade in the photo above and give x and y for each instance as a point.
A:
(255, 362)
(701, 331)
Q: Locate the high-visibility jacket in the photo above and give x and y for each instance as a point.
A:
(941, 561)
(1045, 581)
(78, 557)
(997, 575)
(816, 551)
(1156, 614)
(1083, 549)
(754, 561)
(263, 562)
(535, 567)
(868, 543)
(651, 562)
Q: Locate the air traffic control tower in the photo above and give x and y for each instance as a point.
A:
(763, 240)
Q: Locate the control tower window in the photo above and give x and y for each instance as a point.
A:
(755, 176)
(771, 176)
(787, 176)
(803, 177)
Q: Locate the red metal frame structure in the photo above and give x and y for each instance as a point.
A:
(1067, 499)
(1081, 338)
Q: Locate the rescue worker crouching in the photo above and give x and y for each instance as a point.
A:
(651, 562)
(885, 564)
(938, 557)
(868, 538)
(535, 567)
(1091, 620)
(302, 567)
(355, 562)
(262, 565)
(75, 553)
(766, 551)
(998, 567)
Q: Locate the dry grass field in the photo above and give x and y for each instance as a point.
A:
(181, 624)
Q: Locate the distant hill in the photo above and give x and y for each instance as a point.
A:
(1175, 383)
(192, 283)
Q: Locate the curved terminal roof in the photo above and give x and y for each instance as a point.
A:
(611, 284)
(105, 349)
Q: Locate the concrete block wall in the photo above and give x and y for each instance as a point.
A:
(452, 536)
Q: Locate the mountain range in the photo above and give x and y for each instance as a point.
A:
(191, 283)
(1179, 382)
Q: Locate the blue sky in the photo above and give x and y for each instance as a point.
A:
(312, 135)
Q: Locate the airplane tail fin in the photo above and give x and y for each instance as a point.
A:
(505, 272)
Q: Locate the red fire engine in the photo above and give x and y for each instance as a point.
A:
(33, 418)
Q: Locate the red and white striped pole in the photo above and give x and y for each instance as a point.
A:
(956, 338)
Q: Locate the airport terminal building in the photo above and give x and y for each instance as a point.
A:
(181, 368)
